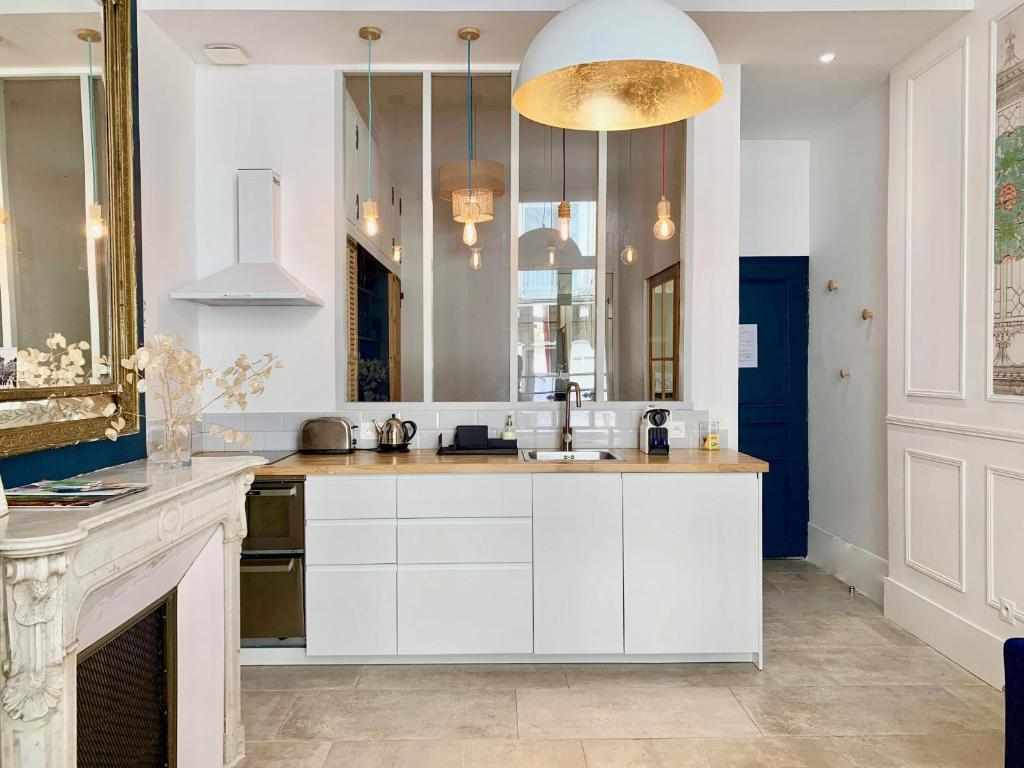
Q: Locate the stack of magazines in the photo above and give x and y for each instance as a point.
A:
(73, 494)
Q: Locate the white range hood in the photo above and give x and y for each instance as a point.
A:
(258, 279)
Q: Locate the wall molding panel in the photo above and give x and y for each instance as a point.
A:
(953, 428)
(936, 226)
(1003, 550)
(925, 553)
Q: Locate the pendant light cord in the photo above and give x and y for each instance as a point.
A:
(369, 130)
(92, 133)
(469, 111)
(563, 165)
(663, 161)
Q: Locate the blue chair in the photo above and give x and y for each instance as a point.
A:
(1013, 661)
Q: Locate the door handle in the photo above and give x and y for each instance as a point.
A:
(272, 492)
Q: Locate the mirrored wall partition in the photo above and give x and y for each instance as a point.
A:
(565, 272)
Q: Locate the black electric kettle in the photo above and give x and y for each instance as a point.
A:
(394, 434)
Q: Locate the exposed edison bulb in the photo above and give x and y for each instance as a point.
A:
(371, 218)
(564, 215)
(628, 255)
(474, 258)
(664, 229)
(396, 253)
(551, 255)
(469, 233)
(95, 227)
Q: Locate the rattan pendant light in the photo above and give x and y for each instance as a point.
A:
(471, 185)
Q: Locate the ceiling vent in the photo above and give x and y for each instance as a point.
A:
(226, 55)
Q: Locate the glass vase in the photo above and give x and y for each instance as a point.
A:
(169, 442)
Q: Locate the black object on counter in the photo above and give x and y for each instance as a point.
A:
(470, 438)
(489, 446)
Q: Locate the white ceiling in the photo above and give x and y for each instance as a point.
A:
(786, 92)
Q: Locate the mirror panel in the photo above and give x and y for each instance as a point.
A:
(68, 292)
(556, 317)
(643, 308)
(55, 277)
(385, 332)
(471, 328)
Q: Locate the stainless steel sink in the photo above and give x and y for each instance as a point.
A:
(571, 455)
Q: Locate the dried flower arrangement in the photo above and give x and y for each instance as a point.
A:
(175, 378)
(63, 365)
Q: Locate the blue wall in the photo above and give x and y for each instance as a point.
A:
(59, 463)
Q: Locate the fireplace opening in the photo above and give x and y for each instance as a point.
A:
(126, 693)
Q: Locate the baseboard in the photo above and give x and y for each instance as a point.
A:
(847, 562)
(973, 648)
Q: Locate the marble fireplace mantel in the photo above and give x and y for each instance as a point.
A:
(66, 573)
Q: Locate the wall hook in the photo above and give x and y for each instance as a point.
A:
(844, 373)
(866, 314)
(832, 286)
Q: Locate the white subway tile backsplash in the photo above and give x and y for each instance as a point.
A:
(453, 419)
(538, 425)
(226, 420)
(590, 437)
(263, 422)
(625, 438)
(280, 441)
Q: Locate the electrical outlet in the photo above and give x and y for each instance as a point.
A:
(677, 429)
(1008, 611)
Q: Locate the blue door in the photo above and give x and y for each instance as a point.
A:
(773, 393)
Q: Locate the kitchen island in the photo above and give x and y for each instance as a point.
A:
(419, 558)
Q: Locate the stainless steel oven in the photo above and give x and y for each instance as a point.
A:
(275, 515)
(273, 560)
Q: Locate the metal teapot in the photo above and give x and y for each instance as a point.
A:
(394, 434)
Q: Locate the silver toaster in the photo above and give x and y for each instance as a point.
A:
(328, 434)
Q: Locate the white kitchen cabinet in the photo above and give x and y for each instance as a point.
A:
(464, 609)
(351, 610)
(692, 563)
(465, 540)
(350, 497)
(351, 542)
(464, 495)
(577, 563)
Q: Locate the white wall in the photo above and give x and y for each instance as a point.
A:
(955, 458)
(849, 176)
(283, 118)
(167, 115)
(775, 198)
(712, 258)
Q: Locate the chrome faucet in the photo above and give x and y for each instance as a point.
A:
(567, 427)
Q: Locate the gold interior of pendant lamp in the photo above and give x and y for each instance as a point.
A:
(617, 95)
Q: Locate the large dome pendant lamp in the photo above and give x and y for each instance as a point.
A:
(609, 65)
(371, 212)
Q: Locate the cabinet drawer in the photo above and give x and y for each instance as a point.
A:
(347, 498)
(453, 609)
(465, 540)
(350, 542)
(351, 610)
(464, 496)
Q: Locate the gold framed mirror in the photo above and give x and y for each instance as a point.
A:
(68, 281)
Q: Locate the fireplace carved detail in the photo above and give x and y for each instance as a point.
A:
(34, 654)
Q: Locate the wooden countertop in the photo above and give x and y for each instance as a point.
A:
(428, 462)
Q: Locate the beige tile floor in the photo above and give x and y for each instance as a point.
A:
(842, 688)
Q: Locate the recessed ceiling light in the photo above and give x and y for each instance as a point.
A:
(226, 54)
(827, 58)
